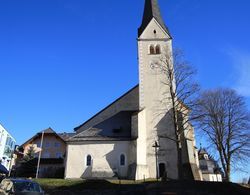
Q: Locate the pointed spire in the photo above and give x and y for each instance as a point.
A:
(151, 10)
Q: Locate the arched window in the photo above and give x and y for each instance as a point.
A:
(151, 49)
(158, 49)
(88, 161)
(122, 160)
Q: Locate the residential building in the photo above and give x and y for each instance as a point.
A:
(7, 146)
(209, 168)
(52, 147)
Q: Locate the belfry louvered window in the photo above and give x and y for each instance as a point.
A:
(151, 49)
(157, 49)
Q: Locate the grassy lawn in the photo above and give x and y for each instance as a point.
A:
(55, 183)
(72, 182)
(79, 184)
(139, 187)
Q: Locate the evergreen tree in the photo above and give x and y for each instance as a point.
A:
(30, 154)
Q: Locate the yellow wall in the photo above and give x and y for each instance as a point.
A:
(49, 149)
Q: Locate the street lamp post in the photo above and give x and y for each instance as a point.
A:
(156, 146)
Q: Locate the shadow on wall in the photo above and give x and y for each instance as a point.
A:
(117, 163)
(118, 125)
(168, 148)
(112, 159)
(167, 153)
(113, 167)
(108, 170)
(122, 161)
(87, 173)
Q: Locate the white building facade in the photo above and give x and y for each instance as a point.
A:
(7, 146)
(209, 168)
(118, 141)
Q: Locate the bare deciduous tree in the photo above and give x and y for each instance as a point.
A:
(183, 91)
(223, 117)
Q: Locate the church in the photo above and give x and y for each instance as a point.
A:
(124, 140)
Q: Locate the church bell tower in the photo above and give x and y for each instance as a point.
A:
(154, 121)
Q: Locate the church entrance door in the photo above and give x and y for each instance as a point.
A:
(162, 170)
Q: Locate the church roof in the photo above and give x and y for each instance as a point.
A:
(151, 10)
(66, 136)
(115, 128)
(113, 123)
(124, 95)
(95, 134)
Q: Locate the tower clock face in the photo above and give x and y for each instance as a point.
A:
(156, 66)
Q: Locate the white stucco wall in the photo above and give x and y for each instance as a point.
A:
(155, 100)
(105, 159)
(142, 170)
(3, 137)
(4, 134)
(212, 177)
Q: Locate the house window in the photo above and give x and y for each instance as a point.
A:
(57, 144)
(58, 155)
(157, 49)
(122, 160)
(47, 144)
(38, 144)
(89, 159)
(46, 155)
(151, 49)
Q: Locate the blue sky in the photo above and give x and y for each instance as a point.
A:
(61, 61)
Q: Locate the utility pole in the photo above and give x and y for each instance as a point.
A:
(10, 167)
(156, 146)
(39, 158)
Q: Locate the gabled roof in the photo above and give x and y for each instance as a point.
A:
(48, 131)
(202, 151)
(151, 10)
